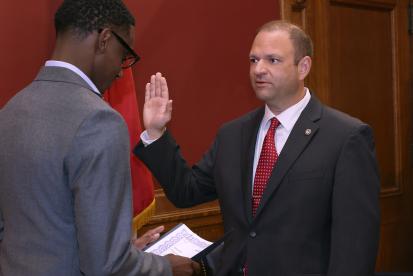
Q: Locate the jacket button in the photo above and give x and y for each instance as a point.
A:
(253, 234)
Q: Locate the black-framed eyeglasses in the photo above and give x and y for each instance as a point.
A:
(132, 57)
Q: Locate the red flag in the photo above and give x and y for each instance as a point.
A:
(122, 97)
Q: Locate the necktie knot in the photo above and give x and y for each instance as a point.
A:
(274, 124)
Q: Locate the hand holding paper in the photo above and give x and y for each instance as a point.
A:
(183, 266)
(149, 237)
(179, 241)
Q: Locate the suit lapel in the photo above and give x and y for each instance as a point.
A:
(301, 135)
(248, 140)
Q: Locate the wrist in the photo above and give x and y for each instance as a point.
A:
(155, 134)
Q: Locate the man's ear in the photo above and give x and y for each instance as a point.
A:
(304, 67)
(103, 39)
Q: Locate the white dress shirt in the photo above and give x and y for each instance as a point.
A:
(76, 70)
(287, 120)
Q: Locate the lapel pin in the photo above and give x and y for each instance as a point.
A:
(307, 131)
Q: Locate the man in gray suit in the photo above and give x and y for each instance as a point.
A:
(65, 187)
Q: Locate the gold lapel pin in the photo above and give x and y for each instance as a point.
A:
(307, 131)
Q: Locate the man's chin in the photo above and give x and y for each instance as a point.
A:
(262, 94)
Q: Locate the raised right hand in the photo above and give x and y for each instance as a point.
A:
(157, 110)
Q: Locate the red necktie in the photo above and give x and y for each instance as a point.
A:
(266, 163)
(268, 158)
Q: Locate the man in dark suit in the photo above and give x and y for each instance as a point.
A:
(65, 187)
(299, 193)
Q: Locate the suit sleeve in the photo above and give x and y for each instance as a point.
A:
(97, 166)
(185, 186)
(355, 207)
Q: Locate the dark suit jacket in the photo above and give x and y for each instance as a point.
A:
(319, 214)
(65, 188)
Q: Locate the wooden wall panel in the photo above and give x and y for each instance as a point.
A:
(364, 77)
(205, 219)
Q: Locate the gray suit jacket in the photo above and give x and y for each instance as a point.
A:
(65, 184)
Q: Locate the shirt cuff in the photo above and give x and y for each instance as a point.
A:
(146, 140)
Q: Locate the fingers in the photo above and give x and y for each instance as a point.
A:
(155, 232)
(152, 86)
(164, 88)
(139, 243)
(158, 77)
(157, 87)
(149, 236)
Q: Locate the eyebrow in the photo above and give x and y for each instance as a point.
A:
(269, 56)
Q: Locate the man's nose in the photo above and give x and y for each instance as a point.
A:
(260, 68)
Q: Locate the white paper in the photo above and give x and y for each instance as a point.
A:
(180, 241)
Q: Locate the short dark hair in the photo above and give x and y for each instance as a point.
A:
(86, 16)
(303, 46)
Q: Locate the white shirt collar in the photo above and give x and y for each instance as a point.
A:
(76, 70)
(289, 117)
